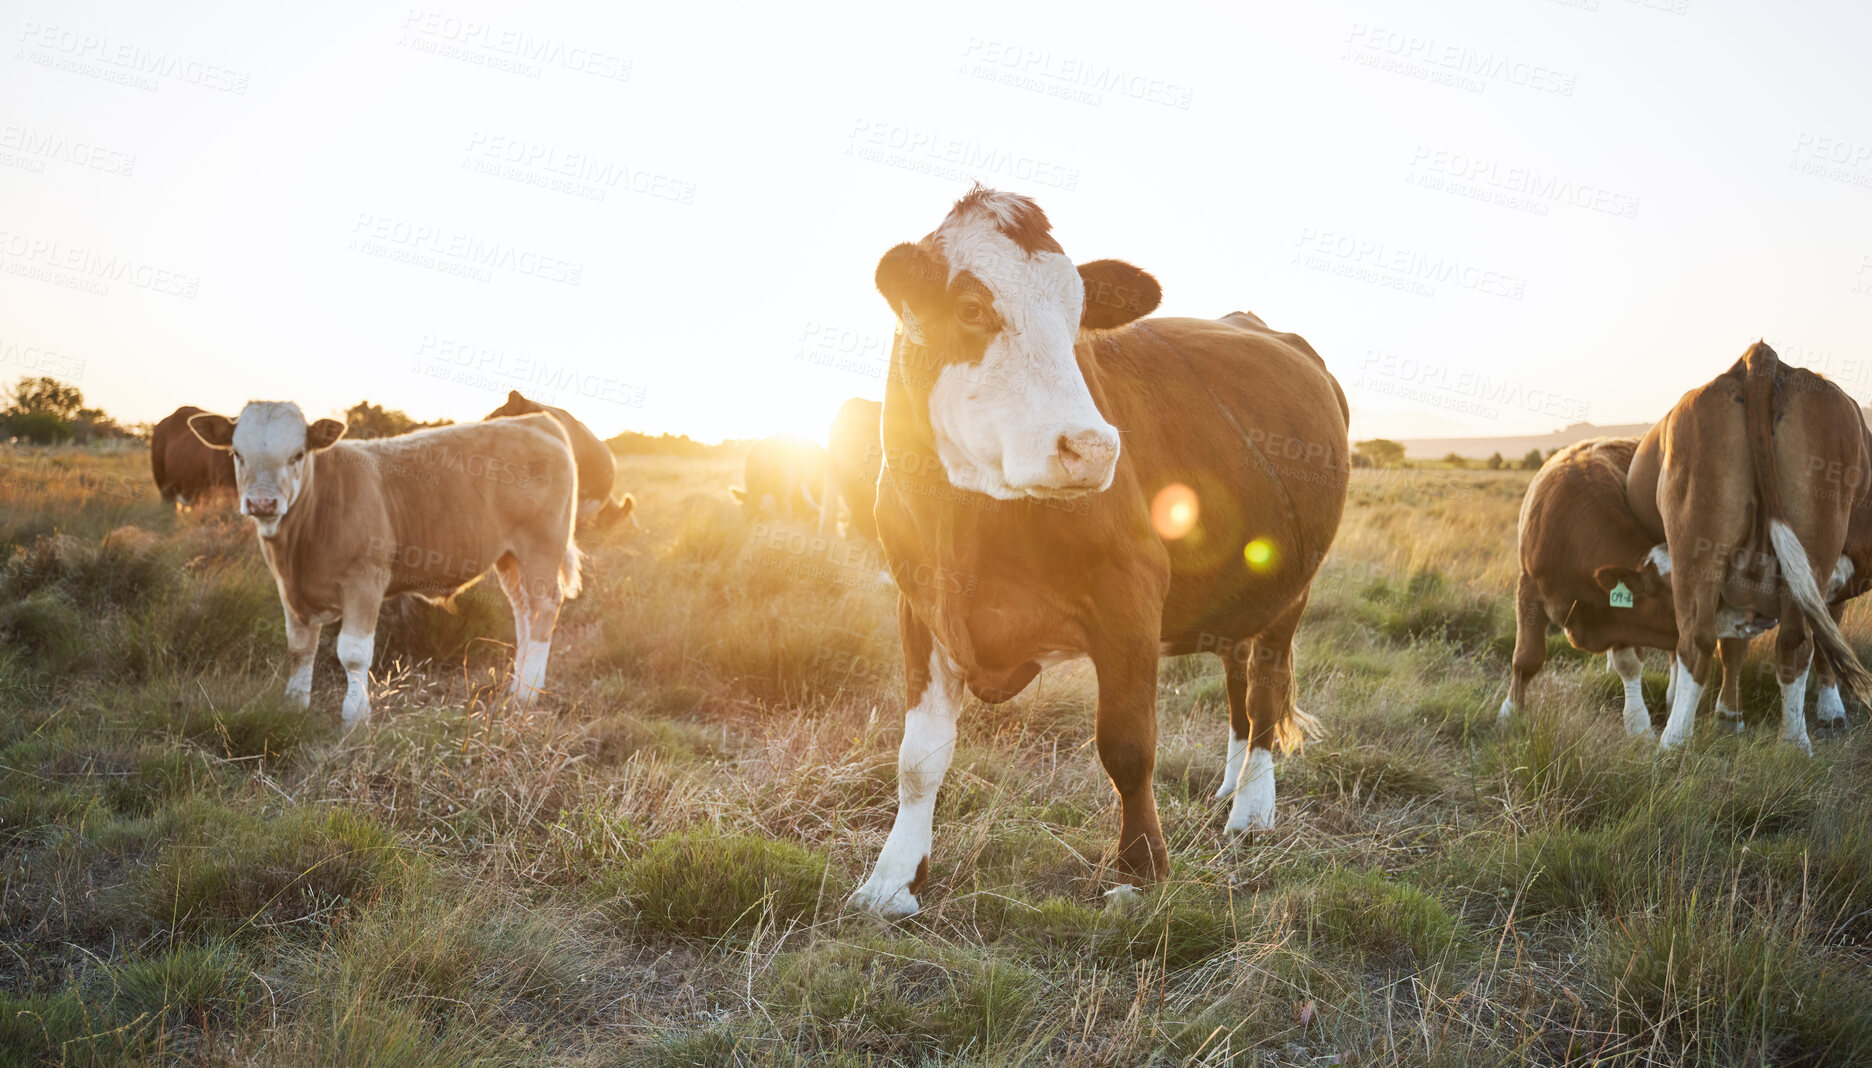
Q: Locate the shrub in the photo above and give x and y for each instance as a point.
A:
(705, 885)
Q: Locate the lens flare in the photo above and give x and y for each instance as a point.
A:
(1174, 511)
(1259, 554)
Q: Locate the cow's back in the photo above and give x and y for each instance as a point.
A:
(597, 465)
(434, 508)
(182, 465)
(1249, 419)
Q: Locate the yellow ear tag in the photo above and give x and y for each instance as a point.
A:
(1621, 597)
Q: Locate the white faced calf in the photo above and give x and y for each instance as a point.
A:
(345, 524)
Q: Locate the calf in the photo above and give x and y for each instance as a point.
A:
(854, 456)
(186, 471)
(1589, 568)
(597, 464)
(345, 524)
(1735, 476)
(1098, 486)
(786, 469)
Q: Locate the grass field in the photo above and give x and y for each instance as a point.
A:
(653, 872)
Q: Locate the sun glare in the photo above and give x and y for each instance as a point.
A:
(1174, 511)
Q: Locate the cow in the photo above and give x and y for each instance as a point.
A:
(597, 464)
(1064, 478)
(345, 524)
(854, 456)
(186, 471)
(787, 469)
(1589, 568)
(1756, 482)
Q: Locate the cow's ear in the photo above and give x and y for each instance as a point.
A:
(912, 275)
(1644, 582)
(324, 434)
(514, 397)
(1116, 293)
(215, 431)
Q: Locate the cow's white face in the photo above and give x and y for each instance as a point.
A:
(990, 308)
(272, 447)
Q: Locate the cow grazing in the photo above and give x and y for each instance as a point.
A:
(186, 471)
(345, 524)
(1063, 480)
(854, 456)
(789, 470)
(1578, 543)
(1743, 479)
(597, 464)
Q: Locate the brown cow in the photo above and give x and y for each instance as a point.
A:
(1021, 534)
(186, 471)
(788, 469)
(854, 456)
(597, 464)
(345, 524)
(1578, 543)
(1736, 477)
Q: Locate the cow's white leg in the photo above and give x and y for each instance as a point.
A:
(1829, 709)
(928, 746)
(532, 652)
(1630, 668)
(1253, 808)
(1506, 713)
(301, 648)
(1231, 768)
(1683, 708)
(1794, 712)
(354, 652)
(1670, 684)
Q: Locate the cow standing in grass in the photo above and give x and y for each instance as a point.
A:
(345, 524)
(790, 471)
(597, 464)
(854, 456)
(1588, 567)
(187, 472)
(1757, 483)
(1063, 480)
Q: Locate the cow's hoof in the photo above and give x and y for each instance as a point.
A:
(1248, 822)
(1505, 715)
(888, 904)
(1802, 744)
(1638, 725)
(300, 701)
(1668, 741)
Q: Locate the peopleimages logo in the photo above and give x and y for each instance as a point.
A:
(1522, 188)
(1470, 68)
(951, 158)
(102, 56)
(30, 149)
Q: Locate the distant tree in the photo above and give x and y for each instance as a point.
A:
(1359, 459)
(367, 420)
(1495, 462)
(631, 443)
(1456, 461)
(46, 411)
(1381, 452)
(1532, 461)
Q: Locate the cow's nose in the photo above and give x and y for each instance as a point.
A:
(1087, 456)
(263, 508)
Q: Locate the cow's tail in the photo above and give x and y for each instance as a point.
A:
(571, 577)
(1763, 366)
(1297, 728)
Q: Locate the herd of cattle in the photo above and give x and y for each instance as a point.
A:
(1113, 487)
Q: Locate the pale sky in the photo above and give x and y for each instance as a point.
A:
(1489, 216)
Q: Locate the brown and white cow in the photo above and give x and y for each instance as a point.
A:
(597, 464)
(1743, 478)
(1588, 567)
(1071, 481)
(345, 524)
(186, 471)
(854, 456)
(788, 469)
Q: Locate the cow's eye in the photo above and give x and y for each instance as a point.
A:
(972, 313)
(298, 456)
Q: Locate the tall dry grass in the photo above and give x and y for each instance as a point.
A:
(653, 873)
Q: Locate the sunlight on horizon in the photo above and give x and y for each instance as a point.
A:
(1489, 219)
